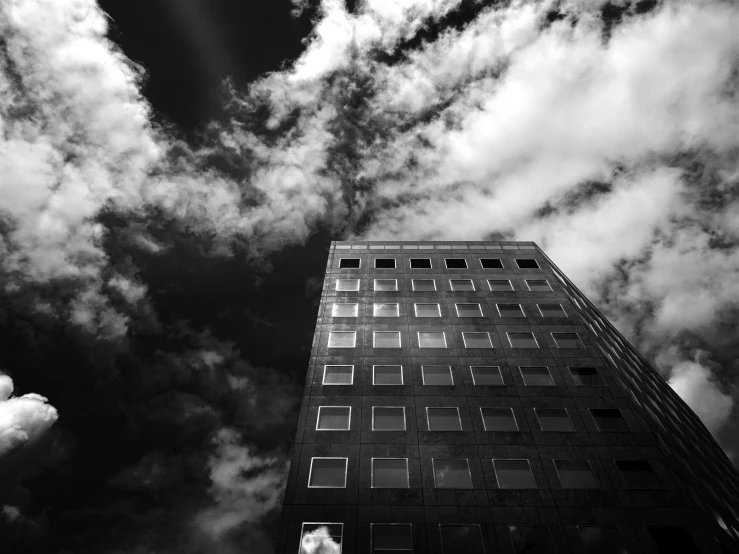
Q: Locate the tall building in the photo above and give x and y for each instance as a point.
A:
(465, 397)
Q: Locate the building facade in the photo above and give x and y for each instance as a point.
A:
(465, 397)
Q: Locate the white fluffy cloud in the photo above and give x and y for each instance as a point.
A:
(319, 541)
(695, 384)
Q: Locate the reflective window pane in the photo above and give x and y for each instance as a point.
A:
(429, 339)
(349, 263)
(345, 310)
(522, 340)
(456, 263)
(500, 284)
(338, 374)
(444, 419)
(451, 474)
(333, 418)
(531, 539)
(477, 340)
(386, 285)
(391, 539)
(420, 263)
(461, 284)
(638, 474)
(510, 310)
(427, 310)
(551, 310)
(671, 539)
(387, 375)
(461, 539)
(385, 263)
(491, 263)
(486, 375)
(586, 377)
(602, 540)
(437, 375)
(527, 263)
(538, 285)
(514, 474)
(536, 376)
(553, 419)
(328, 472)
(347, 284)
(469, 310)
(388, 418)
(326, 536)
(386, 339)
(575, 474)
(609, 420)
(567, 340)
(390, 473)
(385, 310)
(498, 419)
(342, 339)
(424, 285)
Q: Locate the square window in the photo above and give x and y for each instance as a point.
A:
(500, 284)
(530, 539)
(491, 263)
(349, 263)
(386, 418)
(386, 285)
(395, 538)
(342, 339)
(455, 263)
(385, 310)
(609, 420)
(536, 376)
(461, 284)
(601, 540)
(551, 310)
(538, 285)
(510, 310)
(461, 539)
(427, 310)
(327, 473)
(567, 340)
(443, 419)
(420, 263)
(522, 340)
(575, 474)
(638, 474)
(389, 473)
(477, 340)
(553, 419)
(385, 263)
(586, 377)
(387, 375)
(345, 310)
(423, 284)
(437, 375)
(670, 539)
(498, 419)
(469, 310)
(486, 375)
(386, 339)
(338, 375)
(431, 339)
(451, 474)
(327, 534)
(527, 263)
(334, 418)
(514, 474)
(347, 284)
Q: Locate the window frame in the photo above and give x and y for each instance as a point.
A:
(323, 381)
(328, 343)
(395, 263)
(474, 381)
(372, 473)
(528, 286)
(582, 543)
(410, 263)
(590, 466)
(513, 413)
(500, 260)
(509, 333)
(597, 373)
(511, 527)
(469, 472)
(510, 284)
(405, 421)
(358, 259)
(479, 307)
(338, 280)
(443, 334)
(415, 309)
(531, 472)
(349, 421)
(374, 339)
(561, 307)
(579, 340)
(595, 421)
(658, 482)
(423, 375)
(310, 471)
(527, 259)
(447, 260)
(567, 413)
(375, 304)
(523, 377)
(375, 289)
(476, 525)
(372, 537)
(387, 365)
(355, 304)
(500, 314)
(451, 285)
(414, 289)
(490, 340)
(320, 524)
(459, 419)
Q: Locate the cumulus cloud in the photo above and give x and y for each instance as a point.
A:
(696, 385)
(319, 541)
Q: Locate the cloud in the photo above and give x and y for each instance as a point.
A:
(319, 541)
(697, 387)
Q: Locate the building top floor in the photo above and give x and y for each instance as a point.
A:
(433, 245)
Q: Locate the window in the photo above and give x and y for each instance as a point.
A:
(522, 340)
(575, 474)
(498, 419)
(347, 284)
(514, 474)
(386, 285)
(437, 375)
(477, 340)
(553, 419)
(526, 263)
(338, 375)
(385, 310)
(443, 419)
(385, 263)
(551, 310)
(461, 539)
(638, 474)
(469, 310)
(609, 420)
(500, 284)
(486, 375)
(536, 376)
(431, 339)
(420, 263)
(567, 340)
(586, 377)
(389, 473)
(671, 539)
(491, 263)
(531, 539)
(327, 473)
(386, 418)
(327, 534)
(386, 339)
(334, 418)
(455, 263)
(601, 540)
(349, 263)
(387, 375)
(345, 310)
(395, 538)
(423, 284)
(538, 285)
(342, 339)
(427, 310)
(461, 284)
(451, 474)
(510, 310)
